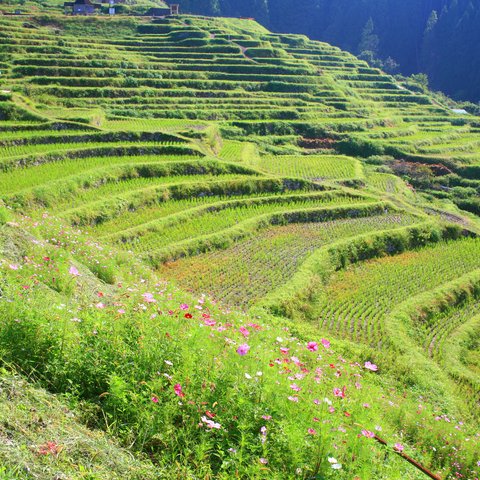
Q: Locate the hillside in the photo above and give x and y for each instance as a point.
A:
(236, 253)
(428, 36)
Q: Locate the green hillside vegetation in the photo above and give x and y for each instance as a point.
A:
(228, 253)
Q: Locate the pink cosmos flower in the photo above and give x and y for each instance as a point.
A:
(209, 322)
(154, 399)
(100, 305)
(295, 387)
(325, 343)
(263, 434)
(183, 306)
(312, 346)
(371, 366)
(244, 331)
(312, 431)
(339, 393)
(296, 361)
(399, 447)
(148, 298)
(293, 399)
(368, 433)
(210, 423)
(178, 390)
(243, 349)
(121, 311)
(284, 350)
(74, 271)
(263, 461)
(13, 266)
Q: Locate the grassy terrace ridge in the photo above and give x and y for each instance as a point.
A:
(230, 253)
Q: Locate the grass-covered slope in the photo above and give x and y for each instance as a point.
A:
(209, 232)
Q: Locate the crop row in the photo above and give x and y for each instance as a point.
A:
(250, 269)
(356, 301)
(156, 234)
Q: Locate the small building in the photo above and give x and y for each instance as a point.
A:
(173, 9)
(158, 12)
(81, 7)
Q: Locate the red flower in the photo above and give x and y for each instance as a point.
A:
(188, 315)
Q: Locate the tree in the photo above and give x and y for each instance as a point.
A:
(369, 41)
(431, 22)
(390, 65)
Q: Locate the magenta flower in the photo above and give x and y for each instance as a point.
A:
(178, 390)
(371, 366)
(312, 431)
(244, 331)
(325, 342)
(339, 393)
(154, 399)
(312, 346)
(183, 306)
(284, 350)
(243, 349)
(368, 433)
(399, 447)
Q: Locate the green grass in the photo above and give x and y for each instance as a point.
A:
(121, 361)
(43, 437)
(312, 167)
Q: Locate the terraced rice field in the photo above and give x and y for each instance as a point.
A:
(355, 302)
(246, 272)
(312, 167)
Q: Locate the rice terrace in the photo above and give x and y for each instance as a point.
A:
(229, 253)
